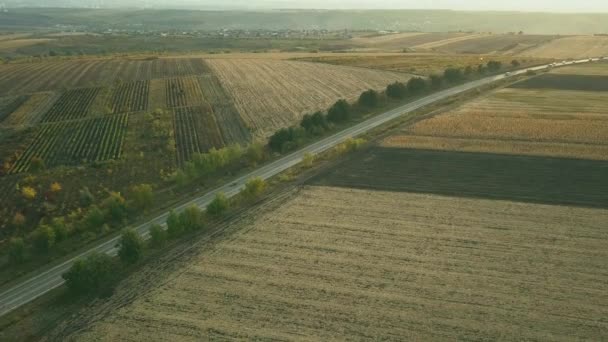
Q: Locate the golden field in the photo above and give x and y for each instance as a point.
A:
(343, 264)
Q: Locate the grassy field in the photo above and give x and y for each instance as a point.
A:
(417, 63)
(337, 263)
(274, 94)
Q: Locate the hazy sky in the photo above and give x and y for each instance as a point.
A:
(521, 5)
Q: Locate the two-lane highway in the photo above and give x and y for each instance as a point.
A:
(49, 279)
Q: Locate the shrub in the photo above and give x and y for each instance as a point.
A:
(131, 247)
(115, 207)
(397, 90)
(43, 238)
(255, 153)
(218, 206)
(158, 236)
(55, 187)
(94, 219)
(416, 85)
(254, 188)
(468, 70)
(86, 198)
(515, 63)
(174, 225)
(369, 98)
(453, 75)
(28, 193)
(91, 275)
(436, 81)
(494, 66)
(308, 159)
(16, 250)
(60, 228)
(192, 218)
(142, 196)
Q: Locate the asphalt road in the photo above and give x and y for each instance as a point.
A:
(48, 279)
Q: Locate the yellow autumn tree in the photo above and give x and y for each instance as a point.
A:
(55, 187)
(28, 192)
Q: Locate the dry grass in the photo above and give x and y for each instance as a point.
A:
(344, 264)
(30, 112)
(572, 47)
(272, 94)
(442, 42)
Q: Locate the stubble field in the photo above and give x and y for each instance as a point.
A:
(275, 94)
(336, 263)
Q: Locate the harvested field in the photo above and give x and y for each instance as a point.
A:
(73, 104)
(479, 175)
(34, 77)
(130, 97)
(196, 131)
(182, 92)
(557, 123)
(421, 64)
(572, 47)
(496, 44)
(400, 41)
(597, 68)
(75, 142)
(272, 94)
(343, 264)
(448, 40)
(566, 82)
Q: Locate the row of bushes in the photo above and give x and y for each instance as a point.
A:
(96, 218)
(97, 273)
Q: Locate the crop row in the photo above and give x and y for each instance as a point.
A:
(73, 104)
(130, 97)
(196, 131)
(181, 92)
(75, 142)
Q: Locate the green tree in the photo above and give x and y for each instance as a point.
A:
(174, 225)
(115, 207)
(158, 236)
(43, 238)
(397, 90)
(142, 196)
(436, 81)
(218, 206)
(416, 85)
(494, 66)
(131, 247)
(339, 112)
(16, 250)
(60, 228)
(192, 218)
(453, 75)
(254, 187)
(369, 98)
(86, 197)
(255, 153)
(94, 219)
(468, 71)
(91, 275)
